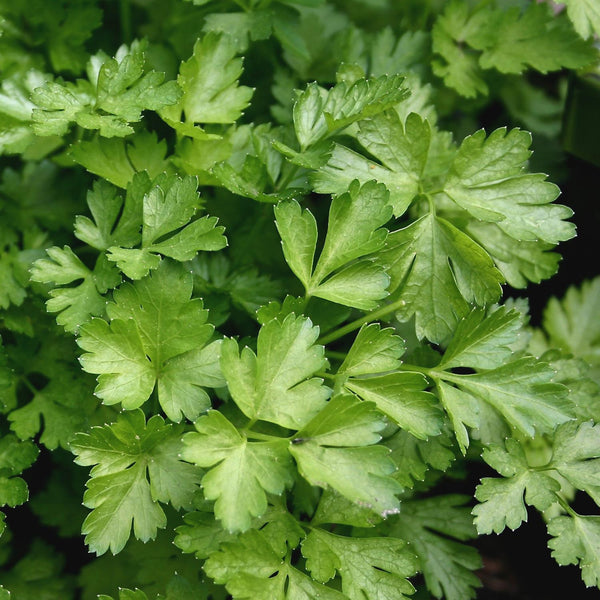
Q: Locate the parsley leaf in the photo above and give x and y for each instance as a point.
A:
(209, 81)
(276, 384)
(432, 526)
(336, 449)
(355, 230)
(585, 15)
(136, 466)
(244, 471)
(575, 541)
(157, 336)
(15, 457)
(503, 500)
(372, 568)
(118, 91)
(78, 304)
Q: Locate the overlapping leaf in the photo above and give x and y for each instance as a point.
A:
(157, 336)
(136, 467)
(355, 230)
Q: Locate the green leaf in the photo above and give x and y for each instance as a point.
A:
(371, 568)
(415, 457)
(355, 230)
(523, 392)
(576, 455)
(401, 148)
(117, 160)
(242, 472)
(431, 254)
(158, 336)
(209, 80)
(75, 305)
(125, 594)
(336, 450)
(483, 341)
(502, 501)
(487, 179)
(585, 16)
(116, 221)
(432, 526)
(512, 40)
(167, 229)
(571, 323)
(65, 406)
(15, 457)
(575, 541)
(298, 231)
(276, 384)
(118, 91)
(318, 112)
(401, 397)
(136, 466)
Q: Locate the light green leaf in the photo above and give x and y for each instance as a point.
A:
(502, 501)
(168, 206)
(585, 16)
(370, 568)
(401, 148)
(242, 472)
(523, 392)
(209, 80)
(136, 466)
(374, 350)
(117, 160)
(118, 91)
(277, 383)
(483, 341)
(488, 180)
(401, 397)
(335, 449)
(156, 335)
(298, 231)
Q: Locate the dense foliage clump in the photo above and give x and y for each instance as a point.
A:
(262, 273)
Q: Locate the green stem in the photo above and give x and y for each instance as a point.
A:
(358, 323)
(29, 385)
(336, 355)
(325, 375)
(265, 437)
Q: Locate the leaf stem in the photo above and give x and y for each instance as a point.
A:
(379, 313)
(125, 18)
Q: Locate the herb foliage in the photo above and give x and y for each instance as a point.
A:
(256, 269)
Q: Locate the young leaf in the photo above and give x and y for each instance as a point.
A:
(371, 568)
(355, 230)
(503, 500)
(432, 526)
(167, 229)
(136, 466)
(118, 91)
(158, 336)
(336, 449)
(318, 112)
(277, 383)
(242, 472)
(209, 81)
(585, 16)
(401, 149)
